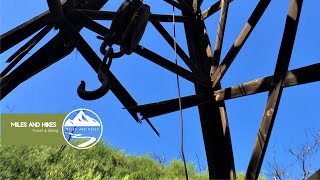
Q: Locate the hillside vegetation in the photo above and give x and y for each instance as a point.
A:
(100, 162)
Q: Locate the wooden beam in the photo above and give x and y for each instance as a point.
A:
(238, 44)
(21, 32)
(108, 15)
(185, 5)
(94, 61)
(271, 109)
(20, 53)
(213, 116)
(53, 51)
(220, 36)
(55, 9)
(165, 63)
(168, 18)
(304, 75)
(78, 17)
(97, 15)
(168, 106)
(315, 176)
(144, 52)
(212, 10)
(180, 52)
(56, 49)
(294, 77)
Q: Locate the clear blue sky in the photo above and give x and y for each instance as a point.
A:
(54, 89)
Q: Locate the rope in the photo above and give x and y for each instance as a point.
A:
(179, 95)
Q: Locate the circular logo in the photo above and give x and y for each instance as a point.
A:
(82, 128)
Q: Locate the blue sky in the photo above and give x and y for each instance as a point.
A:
(54, 89)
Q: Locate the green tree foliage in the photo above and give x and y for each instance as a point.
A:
(100, 162)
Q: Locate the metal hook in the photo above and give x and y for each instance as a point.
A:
(103, 78)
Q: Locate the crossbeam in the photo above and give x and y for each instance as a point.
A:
(300, 76)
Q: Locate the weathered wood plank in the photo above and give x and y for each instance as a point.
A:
(294, 77)
(220, 36)
(271, 109)
(25, 49)
(172, 105)
(315, 176)
(213, 116)
(238, 44)
(212, 9)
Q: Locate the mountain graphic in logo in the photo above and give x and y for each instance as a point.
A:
(81, 119)
(82, 128)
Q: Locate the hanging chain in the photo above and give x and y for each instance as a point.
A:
(179, 95)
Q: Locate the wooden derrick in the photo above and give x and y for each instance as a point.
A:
(206, 70)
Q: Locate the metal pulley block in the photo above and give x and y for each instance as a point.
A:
(128, 26)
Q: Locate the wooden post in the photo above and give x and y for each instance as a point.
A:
(213, 117)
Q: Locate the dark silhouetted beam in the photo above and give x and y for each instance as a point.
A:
(23, 31)
(18, 34)
(145, 53)
(180, 52)
(271, 109)
(18, 55)
(56, 49)
(169, 18)
(47, 55)
(107, 15)
(80, 18)
(238, 44)
(185, 5)
(56, 10)
(165, 63)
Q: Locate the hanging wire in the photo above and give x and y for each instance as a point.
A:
(179, 95)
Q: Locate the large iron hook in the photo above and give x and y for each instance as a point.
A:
(103, 78)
